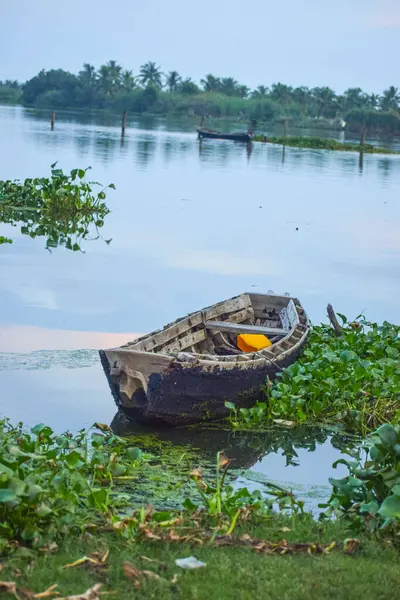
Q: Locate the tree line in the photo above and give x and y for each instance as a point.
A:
(150, 90)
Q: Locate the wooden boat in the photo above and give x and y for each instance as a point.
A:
(216, 135)
(186, 372)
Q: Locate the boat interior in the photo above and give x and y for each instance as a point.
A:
(214, 331)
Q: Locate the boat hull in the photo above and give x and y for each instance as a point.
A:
(215, 135)
(184, 393)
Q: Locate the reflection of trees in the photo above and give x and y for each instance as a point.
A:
(63, 209)
(145, 149)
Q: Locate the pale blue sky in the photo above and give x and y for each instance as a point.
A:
(343, 44)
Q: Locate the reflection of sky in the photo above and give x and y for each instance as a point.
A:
(60, 397)
(191, 226)
(309, 479)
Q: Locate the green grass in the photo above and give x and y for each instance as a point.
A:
(323, 144)
(231, 572)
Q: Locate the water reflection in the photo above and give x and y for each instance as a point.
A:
(277, 455)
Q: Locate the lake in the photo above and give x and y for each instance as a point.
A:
(191, 223)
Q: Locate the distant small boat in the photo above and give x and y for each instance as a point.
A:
(186, 372)
(217, 135)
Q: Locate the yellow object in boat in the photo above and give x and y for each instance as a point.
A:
(251, 342)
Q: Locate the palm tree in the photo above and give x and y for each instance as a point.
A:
(302, 96)
(88, 75)
(211, 83)
(260, 92)
(242, 91)
(110, 77)
(325, 99)
(390, 99)
(151, 74)
(354, 98)
(229, 86)
(281, 93)
(173, 80)
(127, 80)
(373, 100)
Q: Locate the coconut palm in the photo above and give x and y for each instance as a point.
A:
(302, 96)
(173, 80)
(325, 99)
(261, 91)
(211, 83)
(390, 99)
(88, 75)
(355, 98)
(242, 91)
(110, 78)
(151, 74)
(281, 92)
(373, 100)
(127, 80)
(229, 86)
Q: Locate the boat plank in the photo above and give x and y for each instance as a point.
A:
(159, 339)
(240, 328)
(185, 342)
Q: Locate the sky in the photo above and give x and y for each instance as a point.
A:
(346, 43)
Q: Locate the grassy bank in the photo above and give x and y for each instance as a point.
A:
(318, 143)
(371, 571)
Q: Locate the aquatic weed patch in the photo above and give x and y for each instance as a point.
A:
(52, 484)
(352, 379)
(369, 497)
(318, 143)
(63, 208)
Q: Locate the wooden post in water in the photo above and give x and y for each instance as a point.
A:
(123, 126)
(361, 161)
(53, 118)
(363, 135)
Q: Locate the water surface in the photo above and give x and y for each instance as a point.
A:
(191, 223)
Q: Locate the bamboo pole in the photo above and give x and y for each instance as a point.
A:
(123, 125)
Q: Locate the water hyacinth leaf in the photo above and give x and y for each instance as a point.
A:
(6, 470)
(396, 489)
(387, 434)
(39, 428)
(390, 507)
(230, 405)
(371, 507)
(7, 495)
(17, 486)
(392, 352)
(347, 355)
(43, 510)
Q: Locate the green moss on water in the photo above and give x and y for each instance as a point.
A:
(318, 143)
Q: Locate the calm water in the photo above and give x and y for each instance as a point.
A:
(190, 224)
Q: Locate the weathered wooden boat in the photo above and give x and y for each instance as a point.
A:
(186, 372)
(217, 135)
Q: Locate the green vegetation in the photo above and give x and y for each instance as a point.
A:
(54, 485)
(68, 525)
(61, 208)
(10, 92)
(323, 144)
(353, 379)
(146, 568)
(152, 91)
(370, 496)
